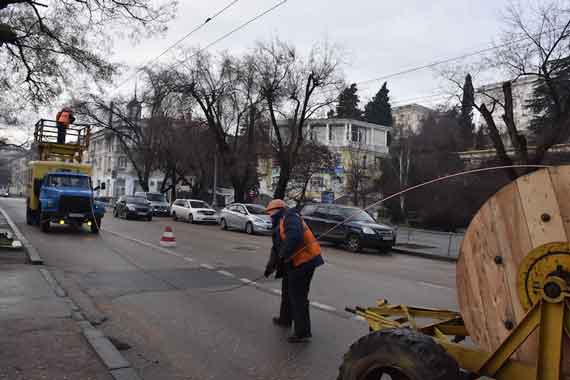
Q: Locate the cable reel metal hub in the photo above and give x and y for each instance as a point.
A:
(544, 274)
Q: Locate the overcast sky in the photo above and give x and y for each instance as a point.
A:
(378, 37)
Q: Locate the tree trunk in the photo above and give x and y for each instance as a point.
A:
(174, 182)
(497, 142)
(284, 175)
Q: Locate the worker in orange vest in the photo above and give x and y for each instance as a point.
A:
(295, 255)
(63, 119)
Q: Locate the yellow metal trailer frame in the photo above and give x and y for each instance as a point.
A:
(548, 311)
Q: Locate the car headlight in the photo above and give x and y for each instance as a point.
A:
(258, 221)
(368, 230)
(131, 208)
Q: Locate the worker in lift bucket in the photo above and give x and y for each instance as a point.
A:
(295, 255)
(63, 120)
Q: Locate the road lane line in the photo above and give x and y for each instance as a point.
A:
(189, 259)
(430, 285)
(142, 242)
(359, 318)
(322, 306)
(225, 273)
(246, 280)
(207, 266)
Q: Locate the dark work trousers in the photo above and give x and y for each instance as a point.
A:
(61, 132)
(299, 285)
(285, 310)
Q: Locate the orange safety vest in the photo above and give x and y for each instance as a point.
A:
(310, 248)
(64, 118)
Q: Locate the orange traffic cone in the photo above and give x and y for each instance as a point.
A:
(168, 239)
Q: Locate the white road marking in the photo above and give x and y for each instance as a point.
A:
(246, 280)
(207, 266)
(430, 285)
(225, 273)
(359, 318)
(189, 259)
(322, 306)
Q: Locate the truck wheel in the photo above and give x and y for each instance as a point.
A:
(401, 354)
(29, 217)
(44, 223)
(96, 225)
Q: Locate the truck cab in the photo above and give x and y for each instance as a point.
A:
(62, 193)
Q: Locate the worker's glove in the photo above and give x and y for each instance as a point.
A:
(268, 272)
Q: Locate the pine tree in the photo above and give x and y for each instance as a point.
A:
(348, 104)
(466, 133)
(378, 110)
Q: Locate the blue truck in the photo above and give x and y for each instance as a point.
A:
(59, 188)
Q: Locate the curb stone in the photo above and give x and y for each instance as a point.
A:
(33, 255)
(425, 255)
(117, 365)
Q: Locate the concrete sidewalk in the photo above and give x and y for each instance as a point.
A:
(38, 337)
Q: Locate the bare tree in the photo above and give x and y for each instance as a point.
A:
(363, 175)
(536, 46)
(313, 159)
(45, 46)
(294, 89)
(227, 93)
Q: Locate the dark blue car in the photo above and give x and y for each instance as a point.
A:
(349, 226)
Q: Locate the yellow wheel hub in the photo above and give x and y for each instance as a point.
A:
(544, 274)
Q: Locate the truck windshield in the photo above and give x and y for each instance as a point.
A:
(155, 197)
(68, 181)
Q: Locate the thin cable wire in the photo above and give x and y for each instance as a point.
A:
(447, 60)
(411, 188)
(235, 30)
(197, 28)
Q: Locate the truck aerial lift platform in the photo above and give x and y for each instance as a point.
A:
(77, 141)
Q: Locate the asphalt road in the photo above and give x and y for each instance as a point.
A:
(191, 312)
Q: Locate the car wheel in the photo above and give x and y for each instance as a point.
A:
(224, 225)
(174, 217)
(149, 218)
(115, 213)
(190, 218)
(353, 243)
(249, 228)
(384, 250)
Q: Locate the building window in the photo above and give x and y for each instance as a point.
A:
(317, 182)
(122, 162)
(356, 134)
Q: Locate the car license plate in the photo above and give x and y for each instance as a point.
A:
(387, 238)
(142, 213)
(76, 215)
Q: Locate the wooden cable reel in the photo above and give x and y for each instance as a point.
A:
(516, 240)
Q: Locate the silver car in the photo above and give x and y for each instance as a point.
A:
(245, 217)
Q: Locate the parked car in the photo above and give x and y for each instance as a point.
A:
(360, 231)
(132, 208)
(192, 210)
(160, 206)
(245, 217)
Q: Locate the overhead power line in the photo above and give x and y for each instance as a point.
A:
(178, 42)
(447, 60)
(235, 30)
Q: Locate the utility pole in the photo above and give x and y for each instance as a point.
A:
(215, 187)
